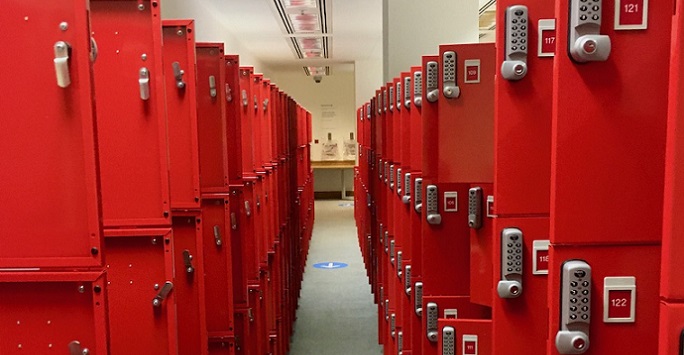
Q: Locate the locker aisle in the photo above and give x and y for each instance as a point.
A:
(336, 313)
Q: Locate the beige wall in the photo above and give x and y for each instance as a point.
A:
(416, 28)
(211, 28)
(337, 90)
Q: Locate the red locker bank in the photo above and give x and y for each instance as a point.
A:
(607, 175)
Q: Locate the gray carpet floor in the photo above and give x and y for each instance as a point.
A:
(336, 313)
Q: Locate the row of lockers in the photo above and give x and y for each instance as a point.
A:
(157, 195)
(524, 196)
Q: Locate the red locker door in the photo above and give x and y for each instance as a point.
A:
(672, 287)
(131, 116)
(246, 118)
(211, 116)
(233, 117)
(181, 104)
(49, 173)
(218, 266)
(61, 312)
(189, 282)
(140, 291)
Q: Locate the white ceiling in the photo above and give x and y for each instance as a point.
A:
(356, 32)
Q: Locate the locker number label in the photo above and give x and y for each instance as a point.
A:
(540, 253)
(469, 344)
(547, 38)
(631, 14)
(472, 71)
(619, 301)
(451, 202)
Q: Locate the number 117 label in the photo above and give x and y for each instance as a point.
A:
(631, 14)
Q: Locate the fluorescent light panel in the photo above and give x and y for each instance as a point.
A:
(305, 22)
(299, 3)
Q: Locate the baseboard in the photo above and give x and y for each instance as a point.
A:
(331, 195)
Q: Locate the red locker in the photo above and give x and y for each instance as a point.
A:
(465, 336)
(218, 273)
(671, 287)
(67, 312)
(530, 307)
(607, 179)
(131, 125)
(522, 158)
(140, 291)
(189, 286)
(233, 117)
(181, 104)
(52, 185)
(211, 116)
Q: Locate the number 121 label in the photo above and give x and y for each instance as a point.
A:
(631, 14)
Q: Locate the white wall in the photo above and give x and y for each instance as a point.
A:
(416, 28)
(211, 28)
(337, 90)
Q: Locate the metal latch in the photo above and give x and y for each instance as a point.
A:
(248, 209)
(187, 260)
(76, 349)
(212, 86)
(229, 93)
(245, 100)
(62, 64)
(265, 104)
(178, 75)
(144, 83)
(233, 221)
(163, 292)
(258, 201)
(256, 103)
(217, 236)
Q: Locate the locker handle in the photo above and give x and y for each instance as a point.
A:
(144, 83)
(187, 260)
(162, 294)
(93, 50)
(256, 103)
(76, 349)
(265, 104)
(178, 75)
(212, 86)
(229, 93)
(233, 221)
(245, 100)
(248, 209)
(217, 236)
(61, 62)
